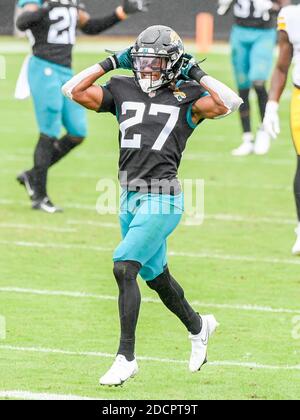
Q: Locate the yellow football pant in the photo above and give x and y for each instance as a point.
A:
(295, 119)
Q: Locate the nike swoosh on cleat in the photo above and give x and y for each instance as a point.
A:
(205, 340)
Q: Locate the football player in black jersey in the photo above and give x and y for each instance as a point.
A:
(51, 26)
(157, 110)
(253, 39)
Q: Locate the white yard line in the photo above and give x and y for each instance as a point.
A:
(83, 295)
(221, 217)
(199, 156)
(8, 202)
(189, 221)
(239, 218)
(42, 396)
(93, 224)
(225, 363)
(202, 255)
(55, 246)
(255, 187)
(224, 157)
(224, 257)
(36, 227)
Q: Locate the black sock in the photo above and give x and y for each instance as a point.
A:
(262, 96)
(129, 304)
(245, 110)
(172, 295)
(64, 146)
(42, 161)
(297, 187)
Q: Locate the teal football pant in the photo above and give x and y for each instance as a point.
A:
(252, 54)
(146, 222)
(53, 110)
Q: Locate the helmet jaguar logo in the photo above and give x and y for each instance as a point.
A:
(180, 96)
(175, 38)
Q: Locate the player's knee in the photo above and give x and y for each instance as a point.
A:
(163, 283)
(77, 129)
(259, 86)
(125, 271)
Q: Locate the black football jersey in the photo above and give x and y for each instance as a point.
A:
(247, 14)
(54, 36)
(154, 129)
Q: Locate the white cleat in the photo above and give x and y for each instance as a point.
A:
(200, 342)
(246, 148)
(121, 371)
(262, 143)
(296, 247)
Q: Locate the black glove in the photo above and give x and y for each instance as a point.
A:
(133, 6)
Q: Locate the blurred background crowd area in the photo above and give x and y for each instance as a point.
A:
(179, 14)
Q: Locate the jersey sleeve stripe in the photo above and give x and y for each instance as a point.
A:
(281, 26)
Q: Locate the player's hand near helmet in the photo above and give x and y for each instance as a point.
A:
(271, 120)
(188, 62)
(123, 59)
(134, 6)
(119, 60)
(190, 69)
(224, 6)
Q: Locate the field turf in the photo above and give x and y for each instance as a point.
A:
(58, 295)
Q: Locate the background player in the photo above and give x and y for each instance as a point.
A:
(253, 39)
(51, 26)
(157, 113)
(289, 44)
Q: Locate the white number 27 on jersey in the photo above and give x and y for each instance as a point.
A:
(63, 31)
(155, 109)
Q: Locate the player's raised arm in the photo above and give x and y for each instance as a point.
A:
(31, 15)
(94, 26)
(279, 79)
(222, 100)
(281, 70)
(82, 89)
(224, 6)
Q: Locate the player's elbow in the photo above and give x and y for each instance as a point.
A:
(67, 91)
(222, 110)
(77, 97)
(70, 91)
(233, 104)
(236, 103)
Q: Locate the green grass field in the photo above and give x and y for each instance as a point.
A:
(57, 291)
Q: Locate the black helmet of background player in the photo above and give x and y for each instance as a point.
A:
(157, 57)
